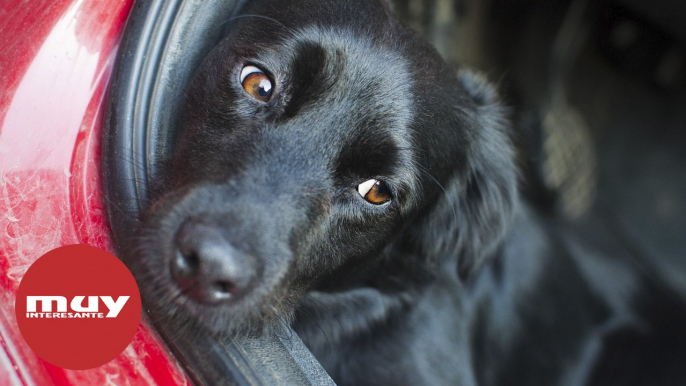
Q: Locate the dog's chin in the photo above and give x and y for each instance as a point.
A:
(249, 316)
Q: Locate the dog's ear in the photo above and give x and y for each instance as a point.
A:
(479, 202)
(487, 193)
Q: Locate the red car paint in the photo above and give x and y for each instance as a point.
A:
(56, 57)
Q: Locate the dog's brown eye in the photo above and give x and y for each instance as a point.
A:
(374, 191)
(256, 83)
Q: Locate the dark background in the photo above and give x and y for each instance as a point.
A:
(597, 91)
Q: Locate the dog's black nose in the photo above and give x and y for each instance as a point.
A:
(207, 267)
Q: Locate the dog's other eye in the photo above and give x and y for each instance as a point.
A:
(256, 83)
(374, 191)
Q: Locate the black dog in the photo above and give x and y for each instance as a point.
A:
(332, 171)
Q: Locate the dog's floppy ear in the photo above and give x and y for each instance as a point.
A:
(488, 197)
(479, 202)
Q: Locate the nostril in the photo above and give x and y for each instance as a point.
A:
(187, 259)
(186, 264)
(223, 290)
(185, 271)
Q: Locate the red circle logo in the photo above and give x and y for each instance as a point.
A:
(78, 307)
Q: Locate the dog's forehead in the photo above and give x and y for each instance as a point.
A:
(360, 92)
(341, 77)
(361, 76)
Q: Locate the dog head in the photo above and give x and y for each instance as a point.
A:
(322, 140)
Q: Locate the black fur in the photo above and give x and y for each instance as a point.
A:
(453, 281)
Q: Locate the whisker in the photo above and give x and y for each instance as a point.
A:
(263, 17)
(450, 200)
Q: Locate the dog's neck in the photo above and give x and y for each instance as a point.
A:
(484, 312)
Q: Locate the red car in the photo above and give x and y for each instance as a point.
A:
(56, 58)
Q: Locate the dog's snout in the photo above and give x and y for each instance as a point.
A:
(207, 267)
